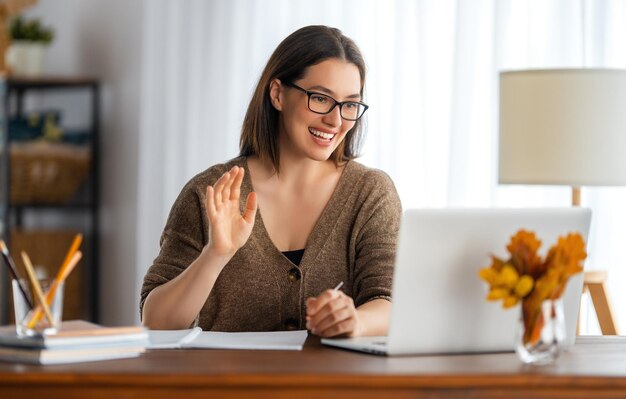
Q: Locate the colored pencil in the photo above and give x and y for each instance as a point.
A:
(36, 287)
(11, 266)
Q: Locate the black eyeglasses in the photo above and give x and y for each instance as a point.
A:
(323, 104)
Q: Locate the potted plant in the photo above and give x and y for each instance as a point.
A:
(29, 40)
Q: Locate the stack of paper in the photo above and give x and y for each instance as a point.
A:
(196, 338)
(77, 341)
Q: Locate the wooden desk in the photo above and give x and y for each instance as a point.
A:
(592, 369)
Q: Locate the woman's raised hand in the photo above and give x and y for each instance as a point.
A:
(228, 228)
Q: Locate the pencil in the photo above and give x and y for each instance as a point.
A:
(11, 265)
(65, 271)
(62, 274)
(78, 238)
(36, 287)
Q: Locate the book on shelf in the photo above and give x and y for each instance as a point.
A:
(76, 341)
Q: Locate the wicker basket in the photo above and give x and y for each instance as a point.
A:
(43, 172)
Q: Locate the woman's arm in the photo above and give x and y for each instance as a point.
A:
(375, 316)
(175, 304)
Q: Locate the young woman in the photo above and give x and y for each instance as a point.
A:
(312, 217)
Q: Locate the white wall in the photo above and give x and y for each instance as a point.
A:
(103, 39)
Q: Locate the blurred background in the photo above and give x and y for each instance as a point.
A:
(164, 86)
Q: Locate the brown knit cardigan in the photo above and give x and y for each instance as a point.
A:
(354, 241)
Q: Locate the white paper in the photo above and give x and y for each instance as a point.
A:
(273, 340)
(171, 339)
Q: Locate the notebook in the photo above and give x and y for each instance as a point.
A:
(439, 304)
(77, 341)
(76, 333)
(196, 338)
(69, 355)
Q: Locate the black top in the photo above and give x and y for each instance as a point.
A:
(294, 256)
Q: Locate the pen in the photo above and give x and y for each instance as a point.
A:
(11, 265)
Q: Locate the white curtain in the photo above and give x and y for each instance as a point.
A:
(432, 86)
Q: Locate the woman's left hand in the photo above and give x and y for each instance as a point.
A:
(331, 314)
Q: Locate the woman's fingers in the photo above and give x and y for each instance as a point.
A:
(218, 188)
(223, 185)
(317, 308)
(346, 327)
(333, 319)
(228, 188)
(210, 202)
(235, 191)
(331, 313)
(228, 228)
(232, 175)
(326, 311)
(251, 207)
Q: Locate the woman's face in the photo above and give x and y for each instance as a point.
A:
(306, 133)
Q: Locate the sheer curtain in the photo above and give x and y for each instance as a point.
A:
(432, 86)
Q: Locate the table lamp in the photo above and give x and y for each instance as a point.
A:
(564, 127)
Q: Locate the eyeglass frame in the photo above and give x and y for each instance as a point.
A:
(337, 103)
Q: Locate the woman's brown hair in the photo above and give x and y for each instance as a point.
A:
(303, 48)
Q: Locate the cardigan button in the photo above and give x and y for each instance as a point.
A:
(291, 324)
(294, 274)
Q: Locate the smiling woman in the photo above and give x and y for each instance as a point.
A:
(312, 216)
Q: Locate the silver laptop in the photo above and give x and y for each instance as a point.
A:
(439, 303)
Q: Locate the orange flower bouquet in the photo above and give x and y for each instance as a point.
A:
(527, 278)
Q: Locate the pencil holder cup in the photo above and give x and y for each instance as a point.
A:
(35, 321)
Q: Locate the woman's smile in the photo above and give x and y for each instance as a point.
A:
(322, 137)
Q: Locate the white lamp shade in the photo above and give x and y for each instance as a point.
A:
(563, 126)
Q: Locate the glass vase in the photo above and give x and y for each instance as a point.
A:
(541, 332)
